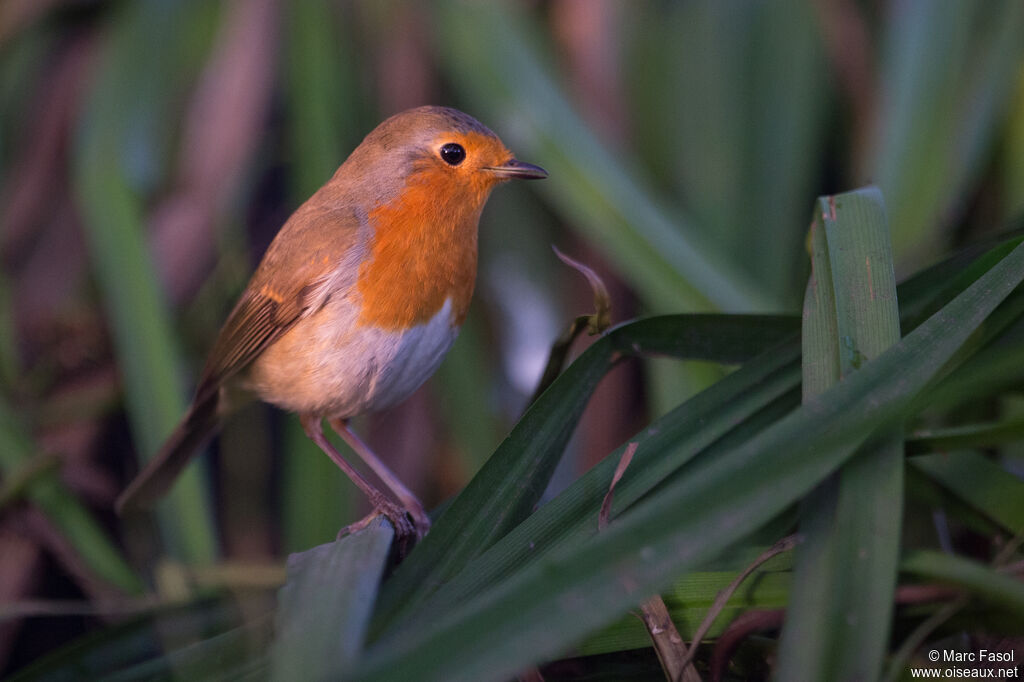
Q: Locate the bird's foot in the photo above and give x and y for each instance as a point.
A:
(410, 525)
(419, 517)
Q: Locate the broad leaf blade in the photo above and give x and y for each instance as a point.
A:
(837, 623)
(543, 609)
(981, 483)
(112, 213)
(513, 479)
(325, 606)
(731, 411)
(983, 581)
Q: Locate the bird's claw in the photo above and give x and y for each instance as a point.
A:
(410, 524)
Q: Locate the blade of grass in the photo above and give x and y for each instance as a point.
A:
(837, 624)
(747, 391)
(985, 582)
(703, 159)
(981, 483)
(744, 122)
(60, 505)
(541, 610)
(709, 424)
(511, 482)
(924, 441)
(689, 601)
(136, 649)
(322, 118)
(932, 134)
(325, 606)
(113, 219)
(999, 368)
(789, 100)
(922, 295)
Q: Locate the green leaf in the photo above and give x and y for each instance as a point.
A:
(983, 581)
(981, 483)
(112, 212)
(967, 436)
(926, 292)
(325, 606)
(237, 653)
(510, 484)
(198, 640)
(709, 424)
(80, 528)
(945, 66)
(999, 368)
(688, 600)
(321, 116)
(550, 604)
(734, 131)
(837, 624)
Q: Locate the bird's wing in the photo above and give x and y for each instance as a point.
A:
(290, 283)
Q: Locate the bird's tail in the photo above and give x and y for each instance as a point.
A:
(197, 427)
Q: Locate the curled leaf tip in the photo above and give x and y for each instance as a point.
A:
(606, 506)
(601, 319)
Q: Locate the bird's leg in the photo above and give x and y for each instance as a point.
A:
(404, 530)
(404, 495)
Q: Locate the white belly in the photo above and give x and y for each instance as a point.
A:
(327, 365)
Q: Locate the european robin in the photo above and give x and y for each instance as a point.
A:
(357, 299)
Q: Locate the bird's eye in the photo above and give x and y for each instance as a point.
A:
(453, 153)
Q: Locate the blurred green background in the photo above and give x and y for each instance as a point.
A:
(150, 149)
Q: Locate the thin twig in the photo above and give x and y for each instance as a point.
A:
(739, 629)
(594, 323)
(668, 644)
(783, 545)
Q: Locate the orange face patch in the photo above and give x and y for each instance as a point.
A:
(417, 260)
(424, 248)
(424, 245)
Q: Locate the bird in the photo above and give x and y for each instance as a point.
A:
(355, 302)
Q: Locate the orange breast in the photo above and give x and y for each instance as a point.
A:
(423, 251)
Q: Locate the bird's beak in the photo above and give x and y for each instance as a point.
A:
(514, 168)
